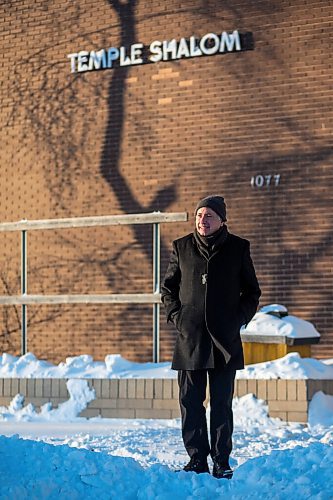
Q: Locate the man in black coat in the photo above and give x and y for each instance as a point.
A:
(209, 291)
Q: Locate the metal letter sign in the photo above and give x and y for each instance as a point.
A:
(167, 50)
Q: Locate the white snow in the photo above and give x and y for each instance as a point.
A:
(264, 323)
(79, 396)
(276, 308)
(321, 410)
(291, 366)
(137, 459)
(84, 366)
(54, 454)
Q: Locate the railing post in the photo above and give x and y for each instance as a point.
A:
(154, 218)
(156, 289)
(24, 275)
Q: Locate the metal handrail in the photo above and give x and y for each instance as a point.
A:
(154, 298)
(121, 298)
(99, 220)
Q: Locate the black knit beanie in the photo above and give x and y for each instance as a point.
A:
(216, 203)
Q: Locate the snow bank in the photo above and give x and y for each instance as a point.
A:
(31, 468)
(295, 473)
(291, 366)
(121, 459)
(84, 366)
(321, 410)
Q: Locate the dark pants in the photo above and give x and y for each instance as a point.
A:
(192, 394)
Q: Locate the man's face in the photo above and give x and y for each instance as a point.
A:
(207, 221)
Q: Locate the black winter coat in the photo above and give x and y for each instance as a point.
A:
(208, 299)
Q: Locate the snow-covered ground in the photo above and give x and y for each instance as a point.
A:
(137, 459)
(55, 454)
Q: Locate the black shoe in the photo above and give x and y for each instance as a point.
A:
(197, 465)
(222, 470)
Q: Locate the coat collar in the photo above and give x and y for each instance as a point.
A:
(211, 245)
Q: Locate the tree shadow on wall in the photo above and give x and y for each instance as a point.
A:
(110, 166)
(48, 104)
(11, 316)
(110, 155)
(45, 106)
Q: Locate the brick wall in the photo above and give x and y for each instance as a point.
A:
(158, 398)
(158, 137)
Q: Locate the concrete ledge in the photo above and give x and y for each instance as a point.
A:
(158, 398)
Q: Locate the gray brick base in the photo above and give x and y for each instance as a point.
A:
(158, 398)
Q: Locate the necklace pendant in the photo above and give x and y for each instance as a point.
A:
(204, 279)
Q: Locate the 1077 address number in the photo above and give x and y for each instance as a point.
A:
(260, 181)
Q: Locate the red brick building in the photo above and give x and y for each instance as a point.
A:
(253, 124)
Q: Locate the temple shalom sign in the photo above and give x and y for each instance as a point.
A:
(207, 45)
